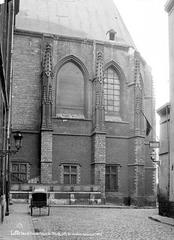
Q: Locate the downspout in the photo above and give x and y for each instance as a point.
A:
(168, 144)
(9, 91)
(11, 71)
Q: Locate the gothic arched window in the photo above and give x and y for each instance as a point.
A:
(70, 89)
(111, 92)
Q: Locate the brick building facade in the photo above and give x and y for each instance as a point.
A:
(80, 93)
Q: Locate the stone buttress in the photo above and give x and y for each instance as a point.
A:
(136, 161)
(46, 128)
(99, 134)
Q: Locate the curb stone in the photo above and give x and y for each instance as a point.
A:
(164, 220)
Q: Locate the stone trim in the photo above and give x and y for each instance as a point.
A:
(72, 119)
(117, 68)
(135, 164)
(72, 134)
(119, 179)
(118, 122)
(87, 83)
(92, 163)
(46, 172)
(27, 131)
(70, 163)
(46, 80)
(118, 137)
(153, 168)
(135, 136)
(46, 156)
(117, 45)
(61, 173)
(154, 184)
(75, 60)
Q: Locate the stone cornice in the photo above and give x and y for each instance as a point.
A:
(117, 122)
(95, 132)
(169, 5)
(150, 168)
(118, 137)
(164, 110)
(137, 136)
(117, 45)
(135, 164)
(32, 131)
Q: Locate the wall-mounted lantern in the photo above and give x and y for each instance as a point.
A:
(5, 164)
(18, 144)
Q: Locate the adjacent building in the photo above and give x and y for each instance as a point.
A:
(8, 10)
(83, 99)
(166, 171)
(164, 157)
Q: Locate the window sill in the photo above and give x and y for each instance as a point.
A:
(70, 116)
(113, 118)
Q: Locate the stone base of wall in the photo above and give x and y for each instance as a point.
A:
(151, 201)
(115, 197)
(2, 208)
(166, 209)
(137, 201)
(121, 199)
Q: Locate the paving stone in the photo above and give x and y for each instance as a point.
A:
(17, 223)
(101, 224)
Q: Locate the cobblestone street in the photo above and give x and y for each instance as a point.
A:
(101, 224)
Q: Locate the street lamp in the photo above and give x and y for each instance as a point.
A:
(153, 145)
(18, 140)
(6, 168)
(153, 157)
(18, 143)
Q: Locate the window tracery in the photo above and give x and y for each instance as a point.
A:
(111, 91)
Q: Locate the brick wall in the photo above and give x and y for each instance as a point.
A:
(72, 139)
(26, 96)
(116, 153)
(72, 149)
(30, 153)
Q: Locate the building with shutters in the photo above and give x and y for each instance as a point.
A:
(81, 92)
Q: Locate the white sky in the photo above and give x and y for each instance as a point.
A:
(147, 23)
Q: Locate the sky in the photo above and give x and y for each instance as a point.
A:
(147, 23)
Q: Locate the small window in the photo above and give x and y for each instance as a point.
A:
(70, 174)
(111, 178)
(111, 35)
(19, 173)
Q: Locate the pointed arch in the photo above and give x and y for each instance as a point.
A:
(117, 68)
(81, 76)
(76, 61)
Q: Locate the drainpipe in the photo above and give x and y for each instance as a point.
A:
(168, 144)
(9, 76)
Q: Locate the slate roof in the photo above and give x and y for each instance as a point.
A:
(91, 19)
